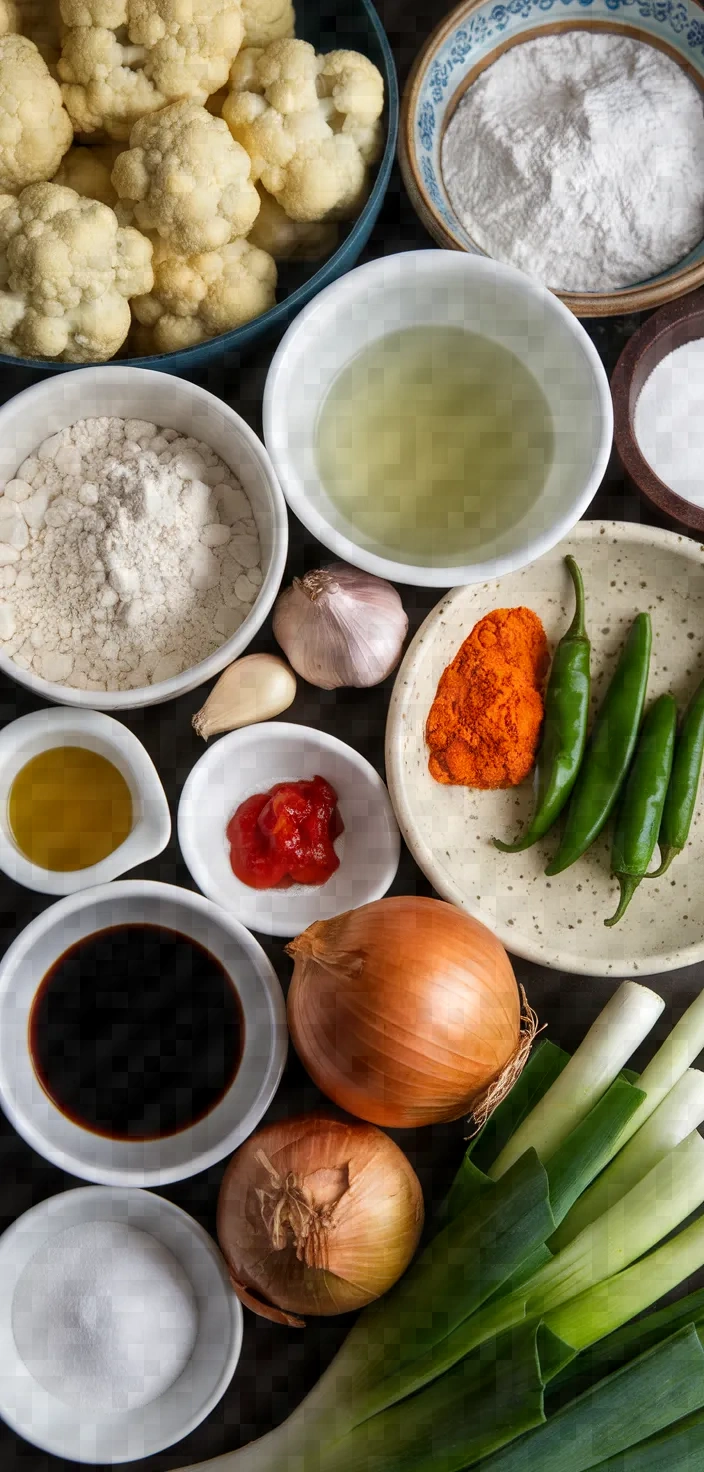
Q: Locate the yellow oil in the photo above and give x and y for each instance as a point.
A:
(432, 442)
(69, 808)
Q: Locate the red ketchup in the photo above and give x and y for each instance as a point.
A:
(286, 836)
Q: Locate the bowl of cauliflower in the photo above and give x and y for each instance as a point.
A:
(179, 177)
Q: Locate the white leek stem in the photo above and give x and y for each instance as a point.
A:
(644, 1216)
(625, 1021)
(679, 1113)
(681, 1047)
(602, 1309)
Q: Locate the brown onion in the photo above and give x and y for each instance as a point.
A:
(406, 1012)
(317, 1216)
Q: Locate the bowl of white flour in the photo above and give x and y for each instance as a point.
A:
(143, 536)
(555, 140)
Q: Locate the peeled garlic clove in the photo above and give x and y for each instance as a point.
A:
(252, 689)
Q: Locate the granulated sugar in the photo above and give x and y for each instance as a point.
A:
(128, 553)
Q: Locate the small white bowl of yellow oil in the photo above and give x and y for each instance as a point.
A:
(80, 801)
(438, 418)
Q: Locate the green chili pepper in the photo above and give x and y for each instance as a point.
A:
(609, 750)
(565, 728)
(640, 809)
(682, 792)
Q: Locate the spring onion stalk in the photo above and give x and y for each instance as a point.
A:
(619, 1029)
(605, 1308)
(680, 1112)
(682, 1046)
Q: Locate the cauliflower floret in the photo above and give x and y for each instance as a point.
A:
(88, 170)
(290, 240)
(172, 49)
(35, 129)
(68, 271)
(199, 296)
(184, 176)
(267, 20)
(355, 88)
(287, 108)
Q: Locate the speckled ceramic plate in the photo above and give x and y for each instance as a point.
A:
(558, 922)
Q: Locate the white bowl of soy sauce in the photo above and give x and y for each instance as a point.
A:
(142, 1034)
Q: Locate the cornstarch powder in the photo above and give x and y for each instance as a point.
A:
(579, 158)
(104, 1317)
(128, 553)
(669, 421)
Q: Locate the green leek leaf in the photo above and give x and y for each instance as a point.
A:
(678, 1449)
(624, 1344)
(400, 1339)
(660, 1387)
(483, 1402)
(590, 1145)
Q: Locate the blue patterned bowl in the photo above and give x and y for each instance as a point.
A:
(467, 41)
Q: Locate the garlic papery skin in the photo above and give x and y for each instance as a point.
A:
(252, 689)
(339, 626)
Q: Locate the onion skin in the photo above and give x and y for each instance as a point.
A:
(371, 1207)
(391, 1037)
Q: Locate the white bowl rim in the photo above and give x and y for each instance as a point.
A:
(93, 722)
(353, 285)
(107, 1175)
(266, 733)
(230, 649)
(84, 1196)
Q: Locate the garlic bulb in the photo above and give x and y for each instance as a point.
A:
(252, 689)
(339, 626)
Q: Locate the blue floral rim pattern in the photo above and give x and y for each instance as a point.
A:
(679, 23)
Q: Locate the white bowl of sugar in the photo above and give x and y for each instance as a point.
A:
(143, 536)
(143, 1334)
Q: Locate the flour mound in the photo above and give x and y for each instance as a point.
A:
(127, 554)
(579, 158)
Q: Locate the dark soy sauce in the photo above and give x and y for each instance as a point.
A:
(136, 1032)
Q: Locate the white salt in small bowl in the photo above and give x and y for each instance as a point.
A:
(253, 760)
(175, 1157)
(172, 403)
(111, 1437)
(26, 738)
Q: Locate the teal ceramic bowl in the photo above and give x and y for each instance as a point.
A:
(466, 42)
(327, 24)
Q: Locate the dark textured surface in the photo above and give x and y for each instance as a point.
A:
(277, 1365)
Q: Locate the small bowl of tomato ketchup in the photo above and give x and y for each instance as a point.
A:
(283, 825)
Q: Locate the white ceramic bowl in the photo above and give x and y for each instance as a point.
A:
(122, 1436)
(252, 760)
(151, 827)
(172, 403)
(441, 287)
(94, 1157)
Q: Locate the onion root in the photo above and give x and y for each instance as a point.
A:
(489, 1100)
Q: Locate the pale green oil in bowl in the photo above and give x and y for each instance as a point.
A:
(432, 442)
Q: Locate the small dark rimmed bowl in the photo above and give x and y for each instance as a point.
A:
(673, 326)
